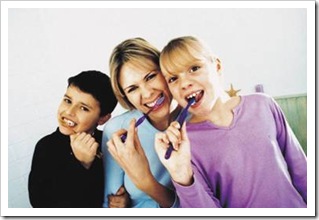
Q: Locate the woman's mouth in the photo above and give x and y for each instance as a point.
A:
(156, 103)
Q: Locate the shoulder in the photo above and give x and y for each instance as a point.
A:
(48, 142)
(120, 121)
(258, 98)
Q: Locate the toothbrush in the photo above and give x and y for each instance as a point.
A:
(180, 120)
(141, 119)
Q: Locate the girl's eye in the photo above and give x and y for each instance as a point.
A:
(172, 79)
(84, 109)
(151, 76)
(194, 68)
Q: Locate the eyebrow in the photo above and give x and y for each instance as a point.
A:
(82, 103)
(147, 74)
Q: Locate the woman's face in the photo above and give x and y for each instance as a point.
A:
(143, 85)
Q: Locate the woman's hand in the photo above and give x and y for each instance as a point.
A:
(120, 200)
(179, 163)
(84, 148)
(131, 157)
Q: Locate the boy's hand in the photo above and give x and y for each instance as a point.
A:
(120, 200)
(179, 164)
(84, 148)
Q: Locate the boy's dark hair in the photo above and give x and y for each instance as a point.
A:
(99, 86)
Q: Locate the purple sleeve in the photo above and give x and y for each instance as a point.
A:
(292, 151)
(197, 195)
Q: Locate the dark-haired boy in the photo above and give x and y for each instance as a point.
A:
(67, 170)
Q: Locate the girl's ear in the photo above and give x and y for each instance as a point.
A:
(218, 65)
(104, 119)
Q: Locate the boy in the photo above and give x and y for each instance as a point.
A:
(67, 170)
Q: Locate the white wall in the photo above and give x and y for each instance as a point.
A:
(46, 46)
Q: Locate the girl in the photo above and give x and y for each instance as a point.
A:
(236, 152)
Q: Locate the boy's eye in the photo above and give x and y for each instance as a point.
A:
(194, 68)
(172, 79)
(151, 76)
(84, 109)
(66, 100)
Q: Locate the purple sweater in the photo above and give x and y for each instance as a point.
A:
(255, 162)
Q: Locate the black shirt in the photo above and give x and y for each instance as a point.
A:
(57, 179)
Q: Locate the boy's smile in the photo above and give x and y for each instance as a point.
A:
(78, 112)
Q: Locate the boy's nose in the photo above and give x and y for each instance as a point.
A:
(71, 110)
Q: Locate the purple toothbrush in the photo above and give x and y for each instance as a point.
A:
(180, 120)
(141, 119)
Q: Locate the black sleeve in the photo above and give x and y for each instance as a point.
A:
(40, 183)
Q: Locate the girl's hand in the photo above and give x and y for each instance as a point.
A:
(131, 157)
(84, 148)
(120, 200)
(179, 164)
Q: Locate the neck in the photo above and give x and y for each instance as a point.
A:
(221, 114)
(163, 123)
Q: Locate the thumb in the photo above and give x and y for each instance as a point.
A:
(120, 191)
(73, 136)
(184, 132)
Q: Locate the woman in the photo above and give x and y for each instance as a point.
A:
(138, 83)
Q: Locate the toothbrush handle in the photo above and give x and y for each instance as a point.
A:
(169, 151)
(180, 120)
(123, 137)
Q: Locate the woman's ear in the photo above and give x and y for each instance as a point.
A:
(104, 119)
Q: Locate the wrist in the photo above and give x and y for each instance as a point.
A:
(184, 177)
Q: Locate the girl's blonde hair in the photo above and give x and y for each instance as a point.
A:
(138, 52)
(180, 52)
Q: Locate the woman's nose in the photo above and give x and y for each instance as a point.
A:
(146, 91)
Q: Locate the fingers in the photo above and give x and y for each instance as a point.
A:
(131, 134)
(120, 191)
(174, 134)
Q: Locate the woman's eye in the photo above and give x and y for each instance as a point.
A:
(172, 79)
(131, 89)
(151, 76)
(194, 69)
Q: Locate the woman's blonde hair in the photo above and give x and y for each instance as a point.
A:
(179, 52)
(134, 50)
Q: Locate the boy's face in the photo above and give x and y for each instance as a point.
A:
(143, 86)
(199, 79)
(78, 112)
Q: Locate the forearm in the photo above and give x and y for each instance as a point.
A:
(197, 195)
(163, 196)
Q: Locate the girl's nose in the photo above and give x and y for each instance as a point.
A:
(185, 83)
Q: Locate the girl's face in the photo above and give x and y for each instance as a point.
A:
(143, 85)
(199, 79)
(78, 112)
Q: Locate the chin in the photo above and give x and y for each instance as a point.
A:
(65, 131)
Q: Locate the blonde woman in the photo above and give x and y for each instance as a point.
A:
(138, 83)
